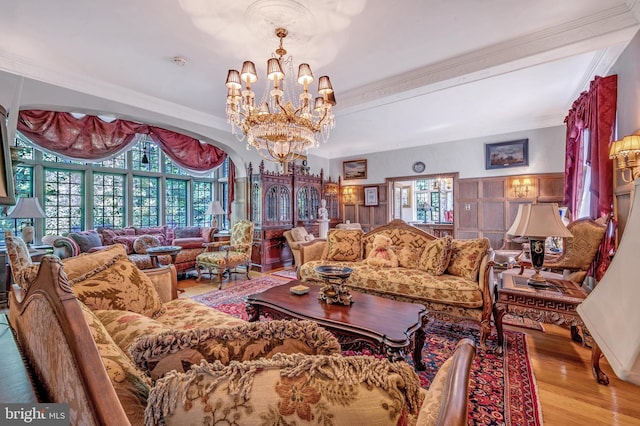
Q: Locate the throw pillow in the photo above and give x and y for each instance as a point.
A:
(86, 240)
(187, 232)
(107, 279)
(436, 256)
(130, 384)
(290, 389)
(143, 242)
(344, 245)
(298, 233)
(179, 349)
(127, 241)
(466, 256)
(408, 257)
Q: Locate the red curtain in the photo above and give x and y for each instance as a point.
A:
(594, 110)
(90, 138)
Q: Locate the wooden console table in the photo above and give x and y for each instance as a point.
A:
(555, 304)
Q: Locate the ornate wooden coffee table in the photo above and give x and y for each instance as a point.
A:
(555, 304)
(385, 326)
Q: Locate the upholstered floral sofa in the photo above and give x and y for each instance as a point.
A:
(190, 238)
(451, 276)
(115, 344)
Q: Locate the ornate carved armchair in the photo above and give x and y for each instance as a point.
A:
(225, 257)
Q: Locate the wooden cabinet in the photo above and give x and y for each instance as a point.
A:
(280, 201)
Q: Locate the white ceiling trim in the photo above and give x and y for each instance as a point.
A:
(552, 43)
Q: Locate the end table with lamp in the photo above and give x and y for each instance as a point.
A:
(27, 208)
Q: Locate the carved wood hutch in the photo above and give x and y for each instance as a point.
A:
(281, 201)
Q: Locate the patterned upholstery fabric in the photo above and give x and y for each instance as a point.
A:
(289, 389)
(23, 269)
(580, 250)
(466, 256)
(109, 234)
(344, 245)
(143, 242)
(107, 279)
(411, 283)
(436, 256)
(408, 258)
(433, 397)
(131, 385)
(401, 237)
(179, 349)
(236, 253)
(127, 241)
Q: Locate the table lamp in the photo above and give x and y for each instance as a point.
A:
(214, 209)
(27, 208)
(537, 222)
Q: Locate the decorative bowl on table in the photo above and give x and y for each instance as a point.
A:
(334, 291)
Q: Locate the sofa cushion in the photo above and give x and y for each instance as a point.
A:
(109, 234)
(131, 385)
(187, 314)
(408, 257)
(290, 389)
(127, 241)
(299, 233)
(436, 256)
(107, 279)
(86, 240)
(343, 245)
(189, 243)
(158, 354)
(143, 242)
(466, 256)
(125, 327)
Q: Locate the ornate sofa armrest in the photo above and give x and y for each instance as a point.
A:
(165, 281)
(312, 250)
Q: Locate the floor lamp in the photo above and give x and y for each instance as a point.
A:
(611, 312)
(27, 208)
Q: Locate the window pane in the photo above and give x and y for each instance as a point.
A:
(146, 155)
(145, 201)
(55, 159)
(119, 162)
(108, 200)
(63, 201)
(176, 203)
(202, 196)
(24, 188)
(26, 150)
(172, 168)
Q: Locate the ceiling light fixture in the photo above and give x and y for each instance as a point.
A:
(278, 130)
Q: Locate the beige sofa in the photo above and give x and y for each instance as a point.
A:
(115, 344)
(446, 275)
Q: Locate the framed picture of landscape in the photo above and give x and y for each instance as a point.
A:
(507, 154)
(355, 169)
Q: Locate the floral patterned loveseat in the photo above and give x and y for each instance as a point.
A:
(446, 275)
(115, 344)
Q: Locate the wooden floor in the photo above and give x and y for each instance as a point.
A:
(569, 394)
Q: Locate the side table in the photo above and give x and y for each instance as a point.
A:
(555, 304)
(154, 252)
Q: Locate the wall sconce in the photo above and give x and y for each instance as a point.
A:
(347, 195)
(626, 152)
(521, 189)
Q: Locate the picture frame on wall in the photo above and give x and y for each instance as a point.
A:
(370, 196)
(354, 169)
(507, 154)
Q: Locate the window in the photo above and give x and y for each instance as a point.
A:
(63, 204)
(24, 188)
(108, 200)
(176, 203)
(118, 192)
(145, 201)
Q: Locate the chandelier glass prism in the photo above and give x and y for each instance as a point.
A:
(280, 128)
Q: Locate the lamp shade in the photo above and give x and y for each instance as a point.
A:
(214, 208)
(27, 208)
(611, 312)
(538, 220)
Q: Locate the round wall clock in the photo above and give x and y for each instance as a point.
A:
(418, 167)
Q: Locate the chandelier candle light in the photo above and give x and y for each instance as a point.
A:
(278, 130)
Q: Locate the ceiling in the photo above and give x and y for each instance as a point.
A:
(405, 73)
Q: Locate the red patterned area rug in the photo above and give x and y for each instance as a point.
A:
(502, 389)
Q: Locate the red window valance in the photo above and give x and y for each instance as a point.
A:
(89, 138)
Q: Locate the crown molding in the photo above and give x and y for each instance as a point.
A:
(557, 42)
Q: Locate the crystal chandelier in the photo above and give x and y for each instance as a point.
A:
(278, 130)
